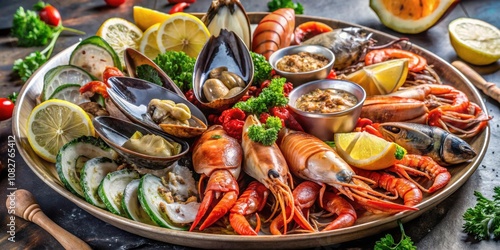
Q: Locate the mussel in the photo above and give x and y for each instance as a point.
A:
(133, 96)
(230, 15)
(223, 71)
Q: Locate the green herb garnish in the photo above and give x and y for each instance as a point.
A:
(265, 133)
(272, 96)
(483, 220)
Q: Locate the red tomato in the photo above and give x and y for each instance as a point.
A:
(114, 3)
(50, 15)
(6, 108)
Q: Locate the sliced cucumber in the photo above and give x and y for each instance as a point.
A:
(91, 176)
(112, 187)
(70, 93)
(131, 205)
(61, 75)
(72, 157)
(153, 202)
(94, 54)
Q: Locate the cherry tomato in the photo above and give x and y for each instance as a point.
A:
(114, 3)
(178, 7)
(50, 15)
(6, 108)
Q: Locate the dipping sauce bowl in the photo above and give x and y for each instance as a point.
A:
(324, 125)
(298, 78)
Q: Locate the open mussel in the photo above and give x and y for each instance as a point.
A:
(149, 150)
(230, 15)
(223, 71)
(156, 107)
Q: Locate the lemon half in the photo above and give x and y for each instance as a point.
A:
(145, 17)
(148, 45)
(182, 32)
(120, 34)
(54, 123)
(475, 41)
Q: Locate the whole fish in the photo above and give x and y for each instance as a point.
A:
(443, 147)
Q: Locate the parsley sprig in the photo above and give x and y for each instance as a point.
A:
(483, 220)
(265, 133)
(387, 242)
(272, 96)
(31, 31)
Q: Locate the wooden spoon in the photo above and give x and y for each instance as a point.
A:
(488, 88)
(27, 208)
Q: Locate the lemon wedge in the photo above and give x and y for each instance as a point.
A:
(120, 34)
(148, 45)
(381, 78)
(182, 32)
(145, 17)
(366, 151)
(55, 122)
(475, 41)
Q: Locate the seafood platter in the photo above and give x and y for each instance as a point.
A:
(220, 182)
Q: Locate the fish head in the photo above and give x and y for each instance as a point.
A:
(455, 150)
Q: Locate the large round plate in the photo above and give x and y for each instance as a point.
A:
(363, 227)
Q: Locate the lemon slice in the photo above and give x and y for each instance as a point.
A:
(148, 45)
(145, 18)
(120, 34)
(381, 78)
(53, 123)
(475, 41)
(182, 32)
(366, 151)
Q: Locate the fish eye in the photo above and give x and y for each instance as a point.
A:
(273, 173)
(344, 176)
(392, 129)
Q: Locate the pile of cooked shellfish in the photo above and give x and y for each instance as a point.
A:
(297, 183)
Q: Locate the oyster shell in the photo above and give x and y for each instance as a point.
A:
(230, 15)
(226, 50)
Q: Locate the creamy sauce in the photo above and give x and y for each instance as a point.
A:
(326, 101)
(301, 62)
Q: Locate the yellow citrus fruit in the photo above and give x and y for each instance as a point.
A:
(381, 78)
(475, 41)
(145, 18)
(148, 45)
(55, 122)
(120, 34)
(182, 32)
(366, 151)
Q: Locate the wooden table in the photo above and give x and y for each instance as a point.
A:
(439, 228)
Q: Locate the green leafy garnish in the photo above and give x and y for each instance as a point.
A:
(265, 133)
(13, 97)
(178, 66)
(27, 66)
(483, 220)
(29, 29)
(400, 152)
(387, 242)
(272, 96)
(278, 4)
(330, 143)
(262, 68)
(148, 73)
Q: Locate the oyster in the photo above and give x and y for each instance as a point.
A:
(223, 71)
(230, 15)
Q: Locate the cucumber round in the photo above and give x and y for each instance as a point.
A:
(112, 187)
(70, 93)
(91, 176)
(131, 205)
(61, 75)
(72, 157)
(156, 206)
(94, 54)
